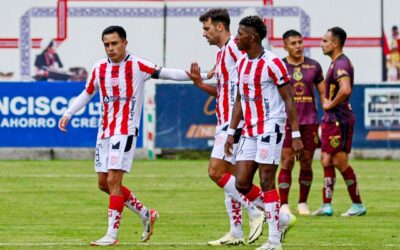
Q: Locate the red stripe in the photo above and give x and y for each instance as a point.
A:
(115, 89)
(102, 75)
(217, 102)
(145, 68)
(253, 193)
(271, 196)
(90, 87)
(258, 97)
(247, 111)
(129, 95)
(272, 75)
(232, 54)
(224, 179)
(282, 68)
(225, 86)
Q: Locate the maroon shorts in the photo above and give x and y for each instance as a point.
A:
(309, 136)
(337, 137)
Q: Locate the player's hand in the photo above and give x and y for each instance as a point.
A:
(327, 104)
(62, 123)
(194, 74)
(298, 148)
(211, 73)
(229, 145)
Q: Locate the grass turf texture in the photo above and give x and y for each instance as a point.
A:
(56, 205)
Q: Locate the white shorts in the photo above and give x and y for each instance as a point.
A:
(218, 151)
(115, 152)
(264, 149)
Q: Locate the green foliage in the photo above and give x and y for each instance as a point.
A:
(56, 205)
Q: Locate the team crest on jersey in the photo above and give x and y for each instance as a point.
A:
(263, 153)
(114, 82)
(246, 78)
(334, 141)
(297, 75)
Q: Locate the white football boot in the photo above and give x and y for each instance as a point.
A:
(256, 226)
(270, 246)
(228, 239)
(148, 225)
(107, 240)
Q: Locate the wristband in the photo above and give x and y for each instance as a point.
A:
(296, 134)
(231, 131)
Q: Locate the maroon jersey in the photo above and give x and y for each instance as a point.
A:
(303, 79)
(340, 68)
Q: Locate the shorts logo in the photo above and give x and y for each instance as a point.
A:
(334, 141)
(263, 153)
(114, 159)
(316, 139)
(219, 140)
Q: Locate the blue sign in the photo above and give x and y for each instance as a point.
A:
(29, 114)
(185, 117)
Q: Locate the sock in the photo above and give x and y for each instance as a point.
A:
(305, 180)
(284, 183)
(227, 182)
(114, 214)
(271, 200)
(234, 209)
(329, 184)
(134, 204)
(256, 196)
(350, 179)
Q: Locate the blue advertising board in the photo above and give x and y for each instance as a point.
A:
(29, 113)
(186, 116)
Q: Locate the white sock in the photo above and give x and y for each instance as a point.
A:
(272, 210)
(137, 207)
(234, 209)
(230, 188)
(114, 219)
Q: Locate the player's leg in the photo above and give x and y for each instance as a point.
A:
(309, 137)
(285, 178)
(341, 162)
(269, 149)
(329, 140)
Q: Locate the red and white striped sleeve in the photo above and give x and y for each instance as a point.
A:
(92, 83)
(277, 71)
(146, 67)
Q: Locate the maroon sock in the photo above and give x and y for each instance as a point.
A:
(329, 184)
(305, 180)
(351, 182)
(284, 182)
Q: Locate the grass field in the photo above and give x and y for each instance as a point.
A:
(56, 205)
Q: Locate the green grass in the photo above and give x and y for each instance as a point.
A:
(56, 205)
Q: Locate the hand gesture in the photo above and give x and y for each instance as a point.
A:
(62, 123)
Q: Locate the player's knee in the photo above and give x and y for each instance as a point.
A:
(215, 172)
(287, 162)
(103, 186)
(243, 186)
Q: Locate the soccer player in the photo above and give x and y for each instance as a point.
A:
(264, 91)
(338, 124)
(220, 169)
(305, 76)
(120, 79)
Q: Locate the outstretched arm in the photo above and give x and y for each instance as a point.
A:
(174, 74)
(197, 79)
(78, 103)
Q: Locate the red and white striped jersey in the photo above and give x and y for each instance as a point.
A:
(261, 102)
(226, 75)
(121, 93)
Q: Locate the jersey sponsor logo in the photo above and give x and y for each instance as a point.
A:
(251, 99)
(341, 72)
(299, 88)
(132, 111)
(108, 99)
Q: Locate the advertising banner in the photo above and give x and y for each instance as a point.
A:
(29, 113)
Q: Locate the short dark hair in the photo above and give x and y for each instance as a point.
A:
(217, 15)
(290, 33)
(340, 34)
(394, 28)
(111, 29)
(257, 23)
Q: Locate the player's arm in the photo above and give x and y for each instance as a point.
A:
(77, 105)
(286, 93)
(321, 91)
(237, 115)
(173, 74)
(343, 93)
(196, 77)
